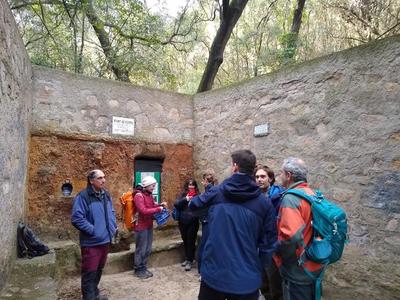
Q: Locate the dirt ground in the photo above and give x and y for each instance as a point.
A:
(168, 283)
(174, 283)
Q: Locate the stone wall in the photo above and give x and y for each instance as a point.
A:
(15, 107)
(72, 134)
(339, 113)
(70, 103)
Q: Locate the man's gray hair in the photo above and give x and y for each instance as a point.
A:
(297, 167)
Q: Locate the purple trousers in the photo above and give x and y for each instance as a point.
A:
(93, 261)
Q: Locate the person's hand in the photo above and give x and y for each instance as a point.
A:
(163, 204)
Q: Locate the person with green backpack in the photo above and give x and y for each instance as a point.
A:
(312, 232)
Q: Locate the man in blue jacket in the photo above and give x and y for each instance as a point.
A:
(242, 234)
(93, 215)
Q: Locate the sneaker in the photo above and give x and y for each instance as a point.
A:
(184, 263)
(188, 266)
(148, 273)
(142, 275)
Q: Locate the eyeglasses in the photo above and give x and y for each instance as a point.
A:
(261, 176)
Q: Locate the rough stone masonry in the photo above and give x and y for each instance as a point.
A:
(340, 113)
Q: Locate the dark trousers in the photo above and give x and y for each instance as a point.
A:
(207, 293)
(272, 283)
(204, 236)
(144, 242)
(293, 291)
(189, 236)
(93, 261)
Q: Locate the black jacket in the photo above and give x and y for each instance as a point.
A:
(186, 215)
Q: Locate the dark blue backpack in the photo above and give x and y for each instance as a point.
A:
(28, 244)
(329, 223)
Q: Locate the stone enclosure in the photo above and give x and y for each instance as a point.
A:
(340, 113)
(71, 133)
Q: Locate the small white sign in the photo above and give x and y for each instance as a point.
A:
(261, 130)
(123, 126)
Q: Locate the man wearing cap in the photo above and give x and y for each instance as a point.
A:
(93, 215)
(146, 208)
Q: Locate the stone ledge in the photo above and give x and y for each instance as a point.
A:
(42, 287)
(35, 278)
(38, 266)
(164, 252)
(39, 277)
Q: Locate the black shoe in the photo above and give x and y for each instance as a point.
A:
(142, 274)
(148, 273)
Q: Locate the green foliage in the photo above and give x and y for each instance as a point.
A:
(170, 53)
(289, 47)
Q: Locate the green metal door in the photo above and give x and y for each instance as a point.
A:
(149, 167)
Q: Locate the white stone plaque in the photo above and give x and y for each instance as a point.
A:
(261, 130)
(123, 126)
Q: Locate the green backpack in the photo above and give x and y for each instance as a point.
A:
(329, 223)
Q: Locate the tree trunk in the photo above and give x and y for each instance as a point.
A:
(298, 13)
(292, 37)
(229, 17)
(98, 26)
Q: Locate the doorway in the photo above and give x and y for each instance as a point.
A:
(149, 167)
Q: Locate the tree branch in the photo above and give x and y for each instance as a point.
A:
(102, 35)
(229, 17)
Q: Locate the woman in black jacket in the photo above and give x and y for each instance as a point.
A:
(188, 223)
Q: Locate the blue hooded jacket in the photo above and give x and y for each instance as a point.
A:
(242, 235)
(93, 215)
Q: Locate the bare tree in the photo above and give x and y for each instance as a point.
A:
(368, 20)
(230, 13)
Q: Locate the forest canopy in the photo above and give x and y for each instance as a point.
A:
(207, 44)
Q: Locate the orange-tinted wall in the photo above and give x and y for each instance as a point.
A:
(56, 158)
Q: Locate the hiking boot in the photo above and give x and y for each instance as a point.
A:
(142, 274)
(184, 263)
(188, 266)
(148, 273)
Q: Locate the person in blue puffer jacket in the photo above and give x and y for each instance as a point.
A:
(93, 215)
(242, 235)
(208, 182)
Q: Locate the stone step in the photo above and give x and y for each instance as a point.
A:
(35, 278)
(164, 253)
(39, 277)
(68, 255)
(167, 250)
(38, 288)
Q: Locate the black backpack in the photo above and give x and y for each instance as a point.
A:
(28, 244)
